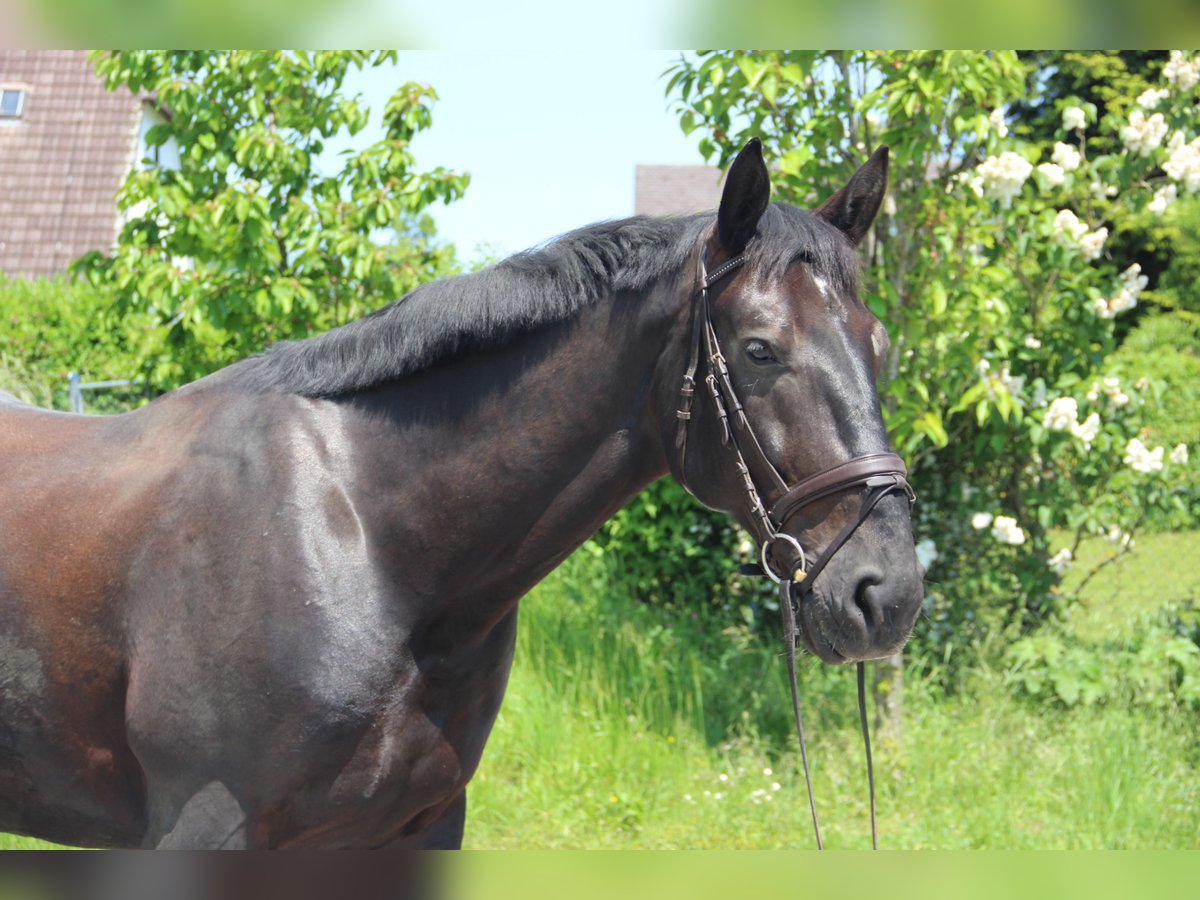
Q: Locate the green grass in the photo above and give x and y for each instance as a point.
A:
(621, 727)
(613, 736)
(1162, 569)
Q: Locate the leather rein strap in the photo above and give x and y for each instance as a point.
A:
(879, 473)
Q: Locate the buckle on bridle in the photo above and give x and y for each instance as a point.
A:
(799, 571)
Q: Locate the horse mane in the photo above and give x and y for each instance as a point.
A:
(544, 286)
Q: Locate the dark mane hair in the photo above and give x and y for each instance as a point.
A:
(526, 292)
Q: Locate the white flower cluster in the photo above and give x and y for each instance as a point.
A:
(1066, 157)
(1073, 118)
(1181, 71)
(1070, 232)
(1013, 384)
(1063, 415)
(997, 120)
(1183, 162)
(1179, 455)
(1053, 173)
(927, 553)
(1133, 282)
(1091, 245)
(1003, 176)
(1112, 390)
(1004, 528)
(1142, 135)
(1060, 562)
(1116, 536)
(1140, 459)
(1163, 197)
(1151, 98)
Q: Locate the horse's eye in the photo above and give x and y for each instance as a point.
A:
(759, 351)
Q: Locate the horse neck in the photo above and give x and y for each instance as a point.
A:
(516, 456)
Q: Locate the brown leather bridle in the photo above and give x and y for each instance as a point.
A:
(880, 473)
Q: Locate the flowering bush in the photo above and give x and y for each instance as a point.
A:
(991, 266)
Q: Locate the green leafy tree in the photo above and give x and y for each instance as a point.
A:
(991, 266)
(248, 241)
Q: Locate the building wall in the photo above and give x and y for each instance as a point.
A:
(676, 190)
(61, 162)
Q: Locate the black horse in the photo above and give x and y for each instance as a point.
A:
(276, 607)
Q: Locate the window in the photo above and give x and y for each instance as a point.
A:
(11, 102)
(162, 156)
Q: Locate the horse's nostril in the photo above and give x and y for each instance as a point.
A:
(867, 600)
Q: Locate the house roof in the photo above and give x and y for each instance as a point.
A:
(61, 162)
(676, 190)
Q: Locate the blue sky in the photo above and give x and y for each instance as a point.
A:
(550, 139)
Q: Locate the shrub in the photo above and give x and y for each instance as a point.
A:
(1164, 348)
(55, 326)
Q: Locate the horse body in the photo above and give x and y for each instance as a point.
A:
(342, 582)
(277, 607)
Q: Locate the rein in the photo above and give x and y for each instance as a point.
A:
(782, 557)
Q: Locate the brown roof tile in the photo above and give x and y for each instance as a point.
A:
(61, 162)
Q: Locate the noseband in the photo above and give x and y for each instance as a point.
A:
(781, 555)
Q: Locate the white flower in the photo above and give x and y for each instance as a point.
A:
(1003, 176)
(1133, 282)
(1062, 414)
(1100, 191)
(1061, 561)
(1038, 400)
(1066, 157)
(927, 553)
(1163, 198)
(1138, 458)
(1014, 384)
(1112, 387)
(1093, 393)
(980, 521)
(1031, 342)
(1087, 430)
(1143, 135)
(1150, 98)
(1006, 530)
(1053, 173)
(1073, 118)
(1181, 72)
(1091, 245)
(1142, 383)
(1068, 230)
(997, 120)
(1183, 162)
(1179, 455)
(1116, 536)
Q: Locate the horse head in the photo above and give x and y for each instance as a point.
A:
(779, 422)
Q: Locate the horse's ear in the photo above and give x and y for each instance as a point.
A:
(744, 200)
(853, 208)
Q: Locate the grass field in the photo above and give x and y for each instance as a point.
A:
(614, 734)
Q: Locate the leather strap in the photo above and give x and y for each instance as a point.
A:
(862, 470)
